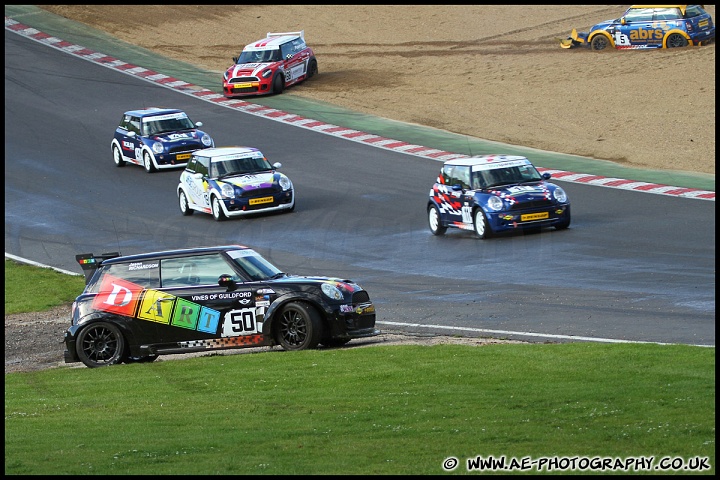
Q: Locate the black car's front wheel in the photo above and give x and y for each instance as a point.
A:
(100, 344)
(299, 327)
(434, 222)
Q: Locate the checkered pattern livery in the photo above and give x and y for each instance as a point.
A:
(215, 343)
(326, 128)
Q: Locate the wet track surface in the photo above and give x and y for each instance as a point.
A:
(632, 266)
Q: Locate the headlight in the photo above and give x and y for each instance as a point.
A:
(331, 291)
(495, 203)
(157, 147)
(267, 73)
(560, 195)
(285, 183)
(206, 140)
(228, 190)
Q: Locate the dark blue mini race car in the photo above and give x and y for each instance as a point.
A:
(648, 26)
(157, 138)
(495, 193)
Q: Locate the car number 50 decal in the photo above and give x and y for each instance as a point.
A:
(241, 322)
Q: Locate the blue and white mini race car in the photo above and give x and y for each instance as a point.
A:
(648, 26)
(495, 193)
(157, 138)
(233, 181)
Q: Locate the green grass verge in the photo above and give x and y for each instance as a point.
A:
(377, 410)
(34, 289)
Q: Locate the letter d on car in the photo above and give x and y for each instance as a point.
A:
(113, 296)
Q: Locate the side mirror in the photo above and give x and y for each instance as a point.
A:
(197, 175)
(546, 176)
(623, 21)
(277, 165)
(235, 59)
(457, 187)
(131, 134)
(226, 281)
(198, 124)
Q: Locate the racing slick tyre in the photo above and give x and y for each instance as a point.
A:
(564, 224)
(278, 84)
(117, 157)
(676, 40)
(148, 163)
(482, 229)
(434, 221)
(217, 211)
(599, 42)
(312, 69)
(184, 207)
(100, 344)
(298, 327)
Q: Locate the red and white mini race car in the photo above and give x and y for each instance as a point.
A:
(269, 65)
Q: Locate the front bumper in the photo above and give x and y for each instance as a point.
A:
(237, 207)
(522, 219)
(231, 90)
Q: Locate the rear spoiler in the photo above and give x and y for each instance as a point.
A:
(301, 33)
(89, 262)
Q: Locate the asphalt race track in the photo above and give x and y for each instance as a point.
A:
(632, 267)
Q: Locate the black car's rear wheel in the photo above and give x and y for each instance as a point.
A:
(676, 40)
(100, 344)
(299, 327)
(117, 157)
(184, 207)
(599, 42)
(434, 222)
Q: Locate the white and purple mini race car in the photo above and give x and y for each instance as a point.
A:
(233, 181)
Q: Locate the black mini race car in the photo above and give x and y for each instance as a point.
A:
(137, 307)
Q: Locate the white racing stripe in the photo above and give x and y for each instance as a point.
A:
(524, 334)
